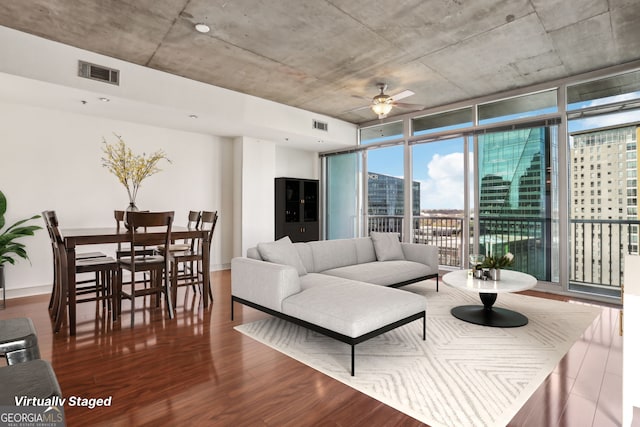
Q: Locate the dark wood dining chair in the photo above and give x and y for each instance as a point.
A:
(123, 249)
(141, 224)
(190, 261)
(193, 222)
(184, 269)
(102, 287)
(49, 217)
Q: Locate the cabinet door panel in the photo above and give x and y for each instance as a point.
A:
(297, 204)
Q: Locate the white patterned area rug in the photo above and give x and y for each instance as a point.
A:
(463, 374)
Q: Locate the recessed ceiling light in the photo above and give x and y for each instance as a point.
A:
(202, 28)
(103, 99)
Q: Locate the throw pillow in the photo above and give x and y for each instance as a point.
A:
(387, 246)
(282, 251)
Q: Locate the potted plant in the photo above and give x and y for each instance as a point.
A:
(10, 249)
(495, 263)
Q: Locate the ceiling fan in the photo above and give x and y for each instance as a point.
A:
(382, 104)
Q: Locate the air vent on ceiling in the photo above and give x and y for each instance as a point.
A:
(98, 72)
(320, 125)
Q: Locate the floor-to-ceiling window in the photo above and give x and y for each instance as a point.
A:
(441, 167)
(385, 189)
(515, 198)
(515, 174)
(439, 170)
(343, 174)
(603, 126)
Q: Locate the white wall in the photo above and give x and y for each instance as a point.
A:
(258, 172)
(631, 339)
(257, 163)
(296, 163)
(50, 149)
(51, 160)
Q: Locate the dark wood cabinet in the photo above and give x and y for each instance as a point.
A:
(297, 206)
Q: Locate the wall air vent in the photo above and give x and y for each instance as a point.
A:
(98, 72)
(320, 125)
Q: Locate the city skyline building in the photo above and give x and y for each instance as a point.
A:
(514, 197)
(604, 165)
(386, 195)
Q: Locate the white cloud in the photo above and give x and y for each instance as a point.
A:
(444, 189)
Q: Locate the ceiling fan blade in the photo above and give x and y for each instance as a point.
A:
(357, 109)
(401, 95)
(409, 106)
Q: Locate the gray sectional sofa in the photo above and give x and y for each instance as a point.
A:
(341, 288)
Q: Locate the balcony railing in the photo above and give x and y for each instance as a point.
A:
(443, 232)
(386, 223)
(597, 246)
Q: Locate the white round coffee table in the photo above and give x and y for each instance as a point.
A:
(487, 314)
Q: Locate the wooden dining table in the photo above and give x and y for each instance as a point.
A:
(74, 237)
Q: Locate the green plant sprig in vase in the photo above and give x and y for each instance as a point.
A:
(130, 169)
(498, 262)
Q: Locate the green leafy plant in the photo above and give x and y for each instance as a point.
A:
(9, 248)
(498, 262)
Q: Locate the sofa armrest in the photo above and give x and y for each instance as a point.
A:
(263, 283)
(424, 254)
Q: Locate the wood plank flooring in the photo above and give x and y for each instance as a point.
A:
(197, 370)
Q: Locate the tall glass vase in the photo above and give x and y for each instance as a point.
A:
(131, 208)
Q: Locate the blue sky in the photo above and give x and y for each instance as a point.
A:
(439, 166)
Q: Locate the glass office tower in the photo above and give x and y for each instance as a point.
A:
(386, 195)
(514, 197)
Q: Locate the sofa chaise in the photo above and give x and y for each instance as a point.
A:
(344, 288)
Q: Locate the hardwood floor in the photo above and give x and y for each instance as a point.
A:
(197, 370)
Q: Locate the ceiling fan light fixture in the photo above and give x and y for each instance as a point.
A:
(382, 105)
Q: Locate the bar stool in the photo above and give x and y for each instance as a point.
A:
(18, 341)
(31, 379)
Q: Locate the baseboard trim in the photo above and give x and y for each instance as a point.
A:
(46, 289)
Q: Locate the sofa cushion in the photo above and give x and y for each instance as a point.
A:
(365, 251)
(352, 308)
(254, 254)
(282, 251)
(384, 273)
(387, 246)
(306, 256)
(333, 253)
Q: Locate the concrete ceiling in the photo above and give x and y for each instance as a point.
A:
(327, 56)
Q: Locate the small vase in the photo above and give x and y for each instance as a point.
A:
(131, 208)
(494, 273)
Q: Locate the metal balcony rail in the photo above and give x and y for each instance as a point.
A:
(443, 232)
(597, 247)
